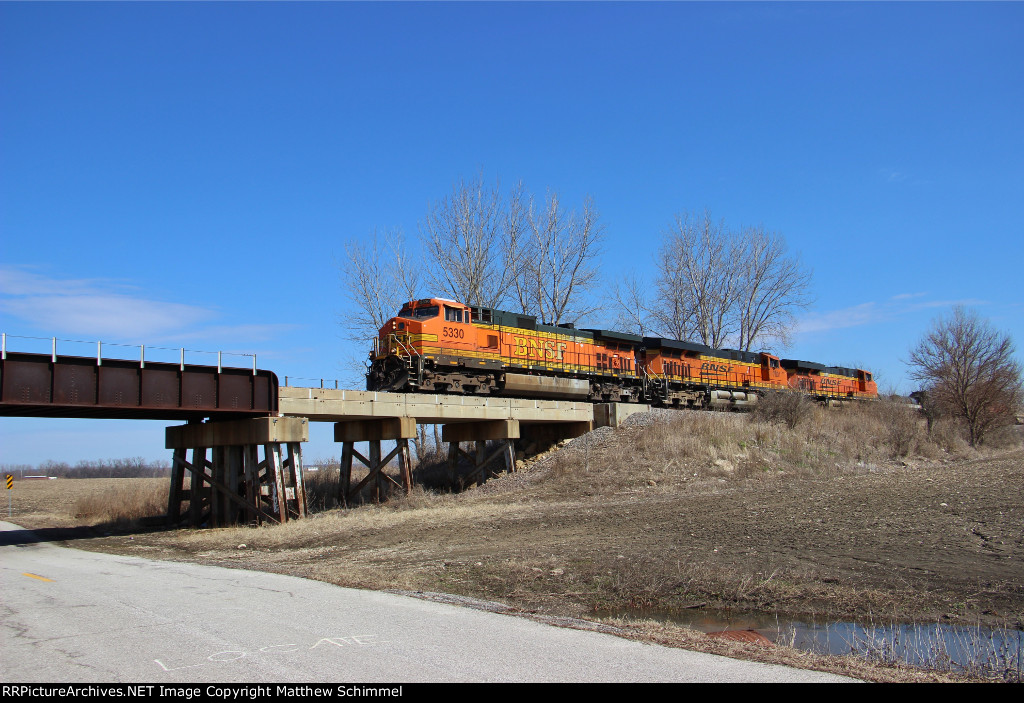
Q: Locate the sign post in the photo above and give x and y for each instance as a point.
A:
(10, 487)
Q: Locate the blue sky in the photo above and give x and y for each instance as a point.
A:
(186, 174)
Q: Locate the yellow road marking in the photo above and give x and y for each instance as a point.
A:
(33, 576)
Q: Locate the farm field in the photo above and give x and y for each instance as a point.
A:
(673, 512)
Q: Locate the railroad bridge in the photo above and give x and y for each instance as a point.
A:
(241, 442)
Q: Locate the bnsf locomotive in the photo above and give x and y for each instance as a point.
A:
(441, 346)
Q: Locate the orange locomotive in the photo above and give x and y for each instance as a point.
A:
(694, 375)
(438, 345)
(442, 346)
(830, 382)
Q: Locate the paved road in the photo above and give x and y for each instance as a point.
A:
(74, 616)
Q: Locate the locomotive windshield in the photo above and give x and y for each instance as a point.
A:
(422, 313)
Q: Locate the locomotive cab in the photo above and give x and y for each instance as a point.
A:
(445, 322)
(771, 371)
(420, 310)
(410, 319)
(865, 383)
(455, 328)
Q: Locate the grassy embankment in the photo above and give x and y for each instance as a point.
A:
(844, 514)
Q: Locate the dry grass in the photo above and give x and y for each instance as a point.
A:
(664, 450)
(68, 503)
(675, 509)
(123, 505)
(679, 448)
(783, 407)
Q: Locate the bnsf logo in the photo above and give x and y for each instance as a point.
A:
(533, 348)
(715, 368)
(830, 381)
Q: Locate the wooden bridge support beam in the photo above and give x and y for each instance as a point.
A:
(229, 484)
(399, 429)
(505, 432)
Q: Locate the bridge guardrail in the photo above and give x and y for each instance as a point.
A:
(289, 379)
(180, 352)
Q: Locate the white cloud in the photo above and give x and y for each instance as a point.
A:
(104, 316)
(890, 175)
(95, 307)
(862, 314)
(111, 310)
(24, 281)
(874, 312)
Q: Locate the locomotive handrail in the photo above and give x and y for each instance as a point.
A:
(648, 375)
(391, 341)
(407, 349)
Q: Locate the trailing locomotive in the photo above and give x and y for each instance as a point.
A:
(435, 345)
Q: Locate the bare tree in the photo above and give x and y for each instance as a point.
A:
(772, 287)
(725, 287)
(470, 242)
(969, 372)
(631, 306)
(378, 275)
(698, 284)
(672, 314)
(555, 262)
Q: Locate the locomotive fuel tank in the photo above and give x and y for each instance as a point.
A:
(546, 387)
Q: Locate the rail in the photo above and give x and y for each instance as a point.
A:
(287, 380)
(141, 347)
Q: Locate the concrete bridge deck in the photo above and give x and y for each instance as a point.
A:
(329, 405)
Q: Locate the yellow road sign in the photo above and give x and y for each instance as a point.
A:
(10, 482)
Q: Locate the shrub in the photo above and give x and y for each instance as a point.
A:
(901, 425)
(783, 407)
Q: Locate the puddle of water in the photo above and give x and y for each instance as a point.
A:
(981, 650)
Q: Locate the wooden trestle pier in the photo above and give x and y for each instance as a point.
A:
(374, 417)
(230, 483)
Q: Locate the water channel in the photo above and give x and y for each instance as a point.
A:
(985, 651)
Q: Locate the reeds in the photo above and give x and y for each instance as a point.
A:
(992, 653)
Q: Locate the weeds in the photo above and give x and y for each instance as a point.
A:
(783, 407)
(978, 652)
(674, 449)
(124, 505)
(903, 426)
